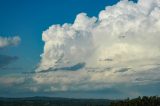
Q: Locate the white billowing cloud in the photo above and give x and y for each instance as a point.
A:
(9, 41)
(68, 44)
(121, 46)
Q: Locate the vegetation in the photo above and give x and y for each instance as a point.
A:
(45, 101)
(144, 101)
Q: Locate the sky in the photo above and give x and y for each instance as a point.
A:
(80, 49)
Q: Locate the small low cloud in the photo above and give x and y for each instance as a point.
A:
(123, 70)
(7, 81)
(9, 41)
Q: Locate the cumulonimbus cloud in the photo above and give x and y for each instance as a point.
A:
(9, 41)
(121, 45)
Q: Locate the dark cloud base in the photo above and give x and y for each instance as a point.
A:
(5, 60)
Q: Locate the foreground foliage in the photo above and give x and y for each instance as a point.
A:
(140, 101)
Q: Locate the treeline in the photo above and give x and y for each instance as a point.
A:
(52, 102)
(140, 101)
(43, 101)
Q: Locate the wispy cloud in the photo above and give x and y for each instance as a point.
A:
(9, 41)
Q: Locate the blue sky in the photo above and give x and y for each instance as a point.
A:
(110, 43)
(28, 19)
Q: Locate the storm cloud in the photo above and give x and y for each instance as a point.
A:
(124, 36)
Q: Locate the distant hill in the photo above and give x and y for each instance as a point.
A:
(52, 101)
